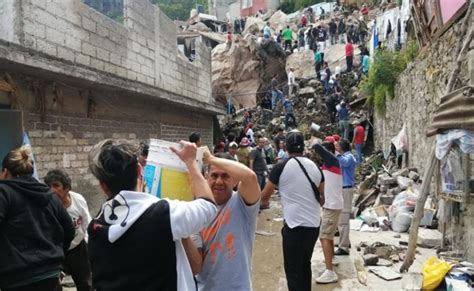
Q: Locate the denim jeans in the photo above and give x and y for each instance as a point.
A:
(344, 128)
(261, 181)
(290, 119)
(276, 96)
(358, 148)
(327, 87)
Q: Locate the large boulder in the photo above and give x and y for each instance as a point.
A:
(253, 25)
(245, 70)
(302, 63)
(279, 21)
(335, 56)
(232, 76)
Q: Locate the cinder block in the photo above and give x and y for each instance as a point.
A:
(102, 31)
(136, 47)
(89, 24)
(82, 59)
(46, 47)
(97, 64)
(110, 68)
(73, 43)
(65, 53)
(34, 28)
(103, 54)
(115, 59)
(88, 49)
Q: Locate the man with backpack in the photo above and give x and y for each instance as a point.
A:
(301, 186)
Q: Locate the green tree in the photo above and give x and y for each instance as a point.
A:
(179, 9)
(384, 71)
(290, 6)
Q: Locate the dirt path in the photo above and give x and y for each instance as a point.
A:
(267, 261)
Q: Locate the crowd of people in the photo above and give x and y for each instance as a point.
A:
(140, 241)
(161, 244)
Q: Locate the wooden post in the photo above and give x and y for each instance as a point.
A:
(467, 178)
(467, 34)
(419, 209)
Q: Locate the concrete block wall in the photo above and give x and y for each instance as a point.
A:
(417, 97)
(137, 50)
(176, 73)
(418, 94)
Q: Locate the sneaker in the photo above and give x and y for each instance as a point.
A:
(335, 261)
(341, 252)
(327, 277)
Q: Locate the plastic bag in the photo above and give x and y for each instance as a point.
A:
(369, 216)
(434, 271)
(403, 202)
(402, 222)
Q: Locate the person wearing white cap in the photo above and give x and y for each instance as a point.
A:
(233, 146)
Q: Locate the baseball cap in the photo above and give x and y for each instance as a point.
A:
(233, 145)
(295, 141)
(330, 139)
(336, 137)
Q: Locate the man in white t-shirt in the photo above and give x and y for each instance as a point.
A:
(291, 82)
(301, 186)
(332, 208)
(76, 261)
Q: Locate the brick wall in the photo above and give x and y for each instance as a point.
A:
(143, 49)
(177, 133)
(63, 135)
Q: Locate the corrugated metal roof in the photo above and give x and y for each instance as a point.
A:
(456, 111)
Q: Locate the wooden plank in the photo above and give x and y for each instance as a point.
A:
(419, 209)
(467, 178)
(361, 273)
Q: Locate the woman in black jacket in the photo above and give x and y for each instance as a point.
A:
(35, 228)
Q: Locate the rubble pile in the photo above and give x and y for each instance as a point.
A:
(386, 197)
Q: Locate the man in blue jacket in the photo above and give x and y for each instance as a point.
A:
(348, 165)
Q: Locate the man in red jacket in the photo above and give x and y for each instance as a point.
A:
(349, 54)
(358, 139)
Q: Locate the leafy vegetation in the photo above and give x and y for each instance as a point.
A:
(174, 9)
(110, 8)
(379, 85)
(290, 6)
(179, 9)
